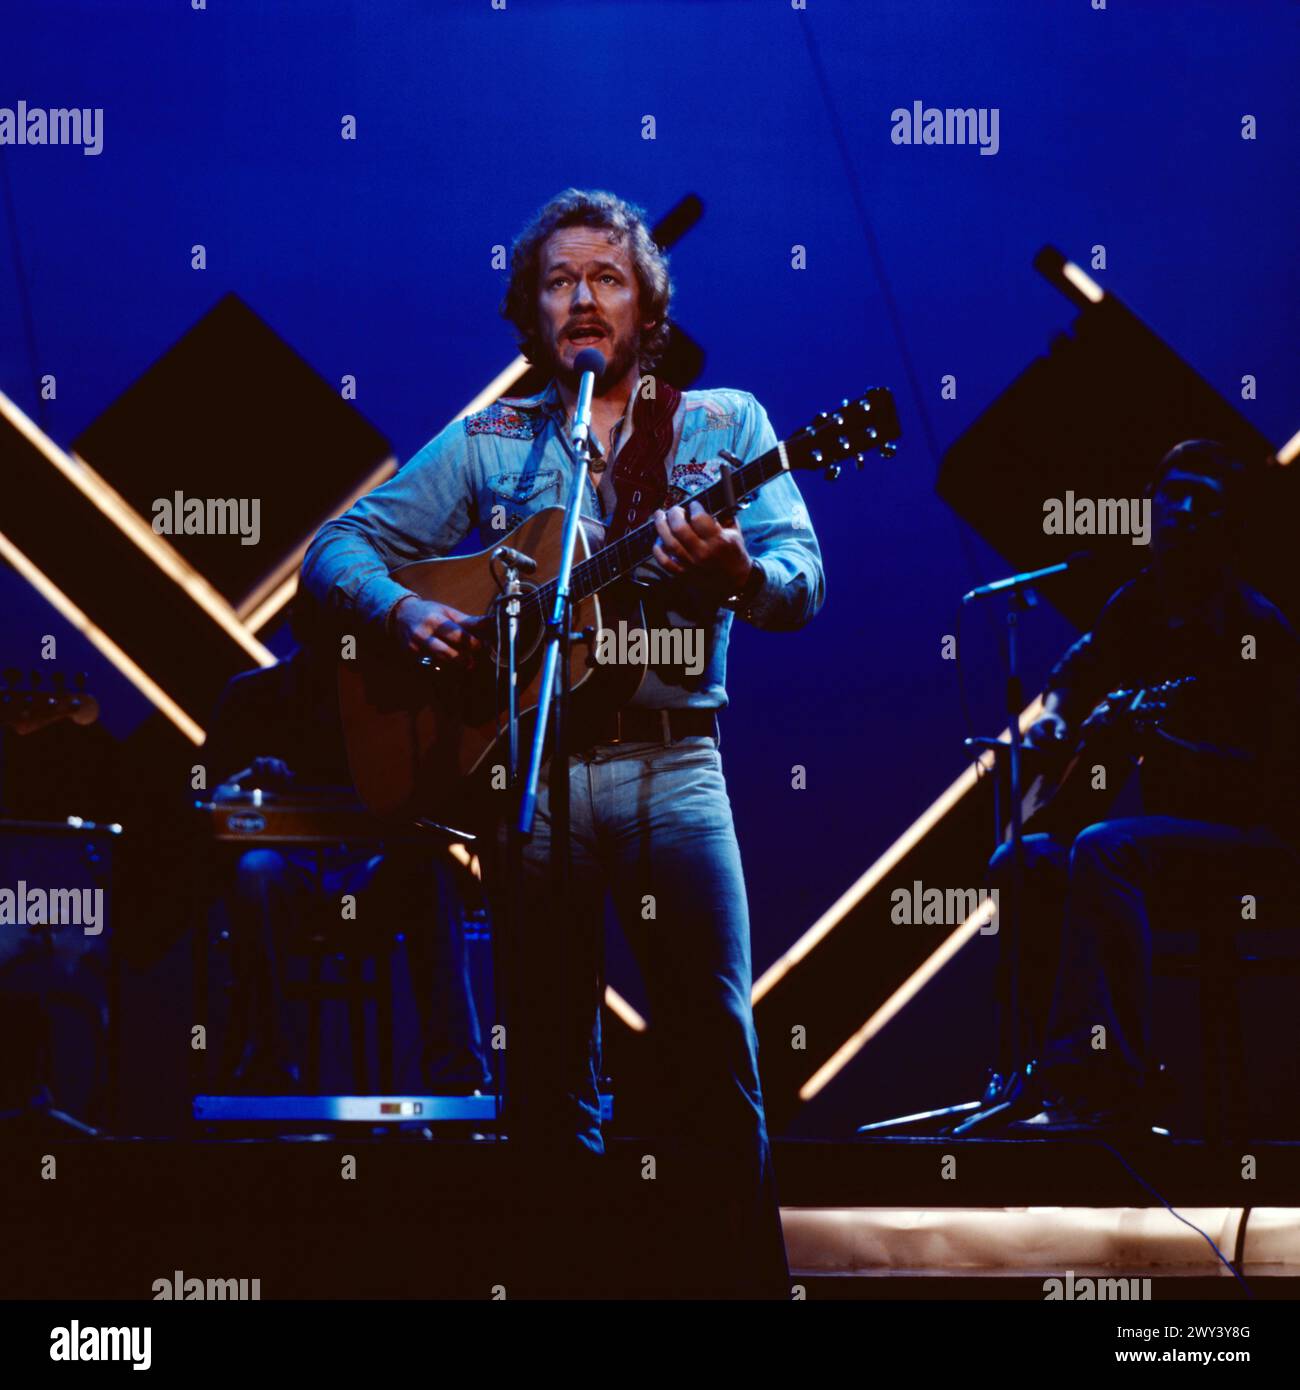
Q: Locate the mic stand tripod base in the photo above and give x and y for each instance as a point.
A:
(1001, 1096)
(921, 1117)
(1008, 1095)
(41, 1121)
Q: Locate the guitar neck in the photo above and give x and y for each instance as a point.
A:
(868, 424)
(622, 556)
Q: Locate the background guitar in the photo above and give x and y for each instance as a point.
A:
(1061, 798)
(25, 706)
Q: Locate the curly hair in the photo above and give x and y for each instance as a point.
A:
(625, 222)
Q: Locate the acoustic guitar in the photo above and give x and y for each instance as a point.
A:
(417, 737)
(1061, 798)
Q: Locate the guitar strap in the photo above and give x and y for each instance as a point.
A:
(640, 472)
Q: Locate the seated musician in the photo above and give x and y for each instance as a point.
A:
(278, 729)
(1217, 783)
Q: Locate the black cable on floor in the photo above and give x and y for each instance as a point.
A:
(1228, 1264)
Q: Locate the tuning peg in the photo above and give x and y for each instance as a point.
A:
(845, 446)
(816, 455)
(833, 471)
(859, 459)
(888, 449)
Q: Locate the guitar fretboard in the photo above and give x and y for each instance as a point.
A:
(623, 555)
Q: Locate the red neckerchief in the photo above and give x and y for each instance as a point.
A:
(640, 474)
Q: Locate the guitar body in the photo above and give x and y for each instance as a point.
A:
(1061, 801)
(419, 740)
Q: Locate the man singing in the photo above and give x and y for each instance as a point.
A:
(651, 823)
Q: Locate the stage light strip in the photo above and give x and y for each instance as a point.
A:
(498, 386)
(906, 842)
(133, 525)
(619, 1006)
(271, 605)
(1083, 282)
(899, 1000)
(127, 520)
(276, 600)
(1289, 451)
(168, 559)
(99, 639)
(256, 610)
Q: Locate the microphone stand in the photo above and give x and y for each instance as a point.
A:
(1004, 1090)
(514, 846)
(553, 701)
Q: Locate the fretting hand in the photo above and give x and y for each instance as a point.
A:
(689, 538)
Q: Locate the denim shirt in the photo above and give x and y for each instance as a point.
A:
(492, 469)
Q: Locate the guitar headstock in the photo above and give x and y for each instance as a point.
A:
(854, 429)
(1140, 708)
(26, 705)
(1151, 704)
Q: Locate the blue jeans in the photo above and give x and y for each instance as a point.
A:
(651, 825)
(1115, 877)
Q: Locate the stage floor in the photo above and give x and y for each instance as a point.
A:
(401, 1216)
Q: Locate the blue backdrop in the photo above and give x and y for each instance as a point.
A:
(372, 257)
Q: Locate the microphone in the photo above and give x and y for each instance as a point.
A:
(525, 564)
(1020, 581)
(591, 363)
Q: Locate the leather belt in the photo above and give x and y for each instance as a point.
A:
(633, 724)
